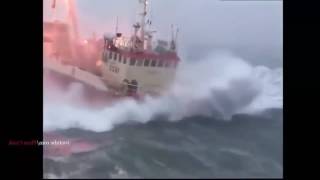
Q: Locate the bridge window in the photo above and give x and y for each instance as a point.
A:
(140, 62)
(105, 56)
(160, 64)
(132, 61)
(146, 62)
(124, 60)
(120, 58)
(115, 56)
(153, 63)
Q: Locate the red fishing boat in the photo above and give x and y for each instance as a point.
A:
(112, 67)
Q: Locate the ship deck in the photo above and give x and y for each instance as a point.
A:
(75, 73)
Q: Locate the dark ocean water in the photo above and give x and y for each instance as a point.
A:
(248, 146)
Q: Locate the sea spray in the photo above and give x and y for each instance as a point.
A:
(220, 85)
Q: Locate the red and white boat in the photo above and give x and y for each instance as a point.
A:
(112, 67)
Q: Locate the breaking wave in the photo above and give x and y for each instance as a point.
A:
(220, 85)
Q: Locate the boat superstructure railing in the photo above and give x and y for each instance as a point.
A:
(142, 37)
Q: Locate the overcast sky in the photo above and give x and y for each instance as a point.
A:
(257, 24)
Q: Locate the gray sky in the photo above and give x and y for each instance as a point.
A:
(214, 23)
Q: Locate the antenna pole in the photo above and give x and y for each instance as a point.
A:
(144, 14)
(172, 44)
(176, 39)
(117, 25)
(172, 33)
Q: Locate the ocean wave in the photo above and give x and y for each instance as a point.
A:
(220, 85)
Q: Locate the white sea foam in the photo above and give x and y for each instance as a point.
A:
(219, 85)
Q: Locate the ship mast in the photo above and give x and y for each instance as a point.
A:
(143, 16)
(173, 42)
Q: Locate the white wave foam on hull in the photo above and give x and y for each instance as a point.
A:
(219, 85)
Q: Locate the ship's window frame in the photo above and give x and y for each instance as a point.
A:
(133, 61)
(105, 56)
(160, 63)
(140, 62)
(153, 63)
(115, 56)
(120, 57)
(146, 62)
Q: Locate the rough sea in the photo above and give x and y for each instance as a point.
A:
(223, 118)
